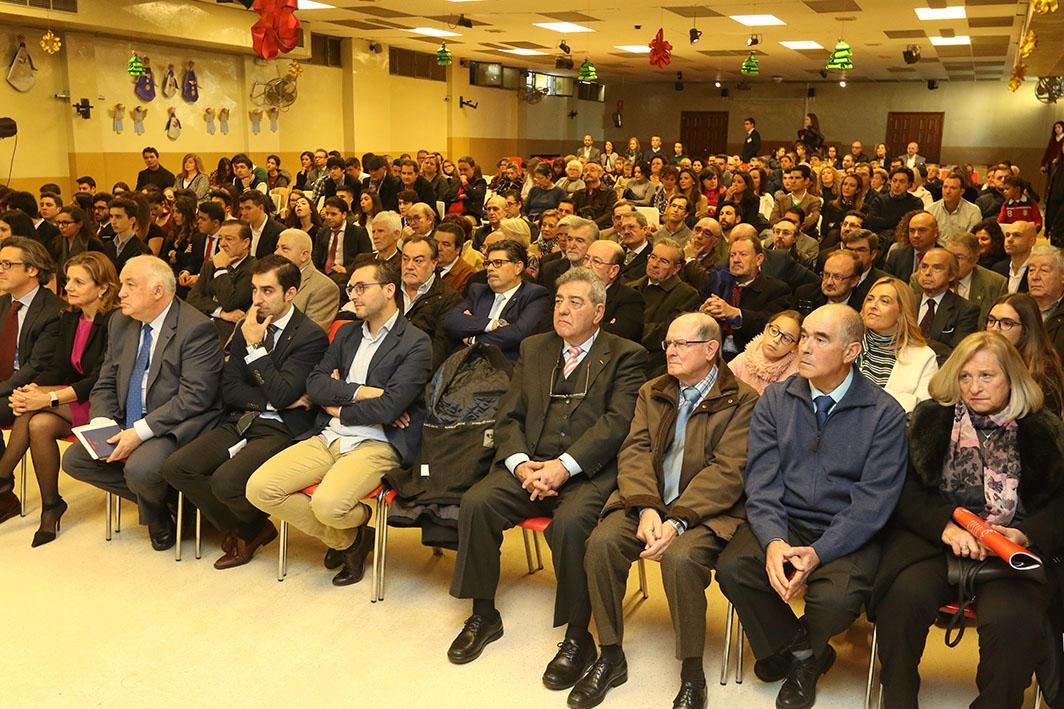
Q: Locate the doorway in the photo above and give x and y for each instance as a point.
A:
(924, 128)
(703, 133)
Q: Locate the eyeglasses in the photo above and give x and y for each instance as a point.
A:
(1003, 324)
(64, 222)
(8, 265)
(778, 334)
(596, 261)
(360, 288)
(498, 263)
(578, 395)
(681, 344)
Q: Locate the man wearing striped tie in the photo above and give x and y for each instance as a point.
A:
(557, 433)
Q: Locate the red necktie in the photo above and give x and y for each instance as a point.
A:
(9, 340)
(330, 260)
(928, 320)
(210, 249)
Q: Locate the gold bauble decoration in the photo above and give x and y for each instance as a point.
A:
(1019, 73)
(1044, 7)
(1028, 44)
(295, 69)
(50, 43)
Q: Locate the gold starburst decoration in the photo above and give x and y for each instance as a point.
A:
(295, 69)
(1019, 73)
(1028, 44)
(1044, 7)
(51, 43)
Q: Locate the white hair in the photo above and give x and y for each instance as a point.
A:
(158, 272)
(391, 221)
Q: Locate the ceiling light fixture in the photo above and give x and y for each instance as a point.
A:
(562, 27)
(433, 32)
(464, 21)
(802, 44)
(634, 48)
(842, 83)
(960, 39)
(313, 5)
(930, 14)
(911, 54)
(716, 84)
(696, 34)
(522, 52)
(758, 20)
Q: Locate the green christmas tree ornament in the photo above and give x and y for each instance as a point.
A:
(443, 55)
(588, 72)
(751, 66)
(135, 67)
(842, 58)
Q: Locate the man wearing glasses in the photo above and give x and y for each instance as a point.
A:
(841, 273)
(557, 433)
(979, 286)
(357, 438)
(506, 310)
(665, 297)
(865, 245)
(1046, 282)
(679, 499)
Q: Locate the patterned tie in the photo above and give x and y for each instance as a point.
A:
(9, 340)
(572, 358)
(629, 256)
(673, 462)
(928, 320)
(823, 409)
(330, 259)
(271, 338)
(134, 396)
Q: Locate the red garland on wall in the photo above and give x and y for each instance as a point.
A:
(660, 50)
(277, 29)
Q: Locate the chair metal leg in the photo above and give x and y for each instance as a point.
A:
(643, 578)
(110, 506)
(377, 539)
(872, 668)
(742, 652)
(539, 556)
(383, 535)
(1037, 694)
(180, 524)
(725, 659)
(199, 538)
(22, 488)
(282, 552)
(118, 514)
(528, 552)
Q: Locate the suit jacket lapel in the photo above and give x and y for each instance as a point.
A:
(943, 315)
(391, 340)
(596, 359)
(545, 374)
(167, 334)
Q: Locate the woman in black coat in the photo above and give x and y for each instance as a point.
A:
(985, 418)
(50, 407)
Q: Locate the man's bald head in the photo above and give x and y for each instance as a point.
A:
(742, 230)
(296, 246)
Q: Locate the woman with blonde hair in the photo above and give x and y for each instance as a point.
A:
(192, 177)
(518, 230)
(985, 444)
(894, 355)
(771, 356)
(827, 183)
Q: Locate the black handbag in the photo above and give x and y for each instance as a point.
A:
(967, 574)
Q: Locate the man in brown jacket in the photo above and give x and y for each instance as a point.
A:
(679, 500)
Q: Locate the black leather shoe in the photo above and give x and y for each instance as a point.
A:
(354, 558)
(570, 664)
(477, 632)
(334, 559)
(774, 667)
(799, 689)
(592, 687)
(691, 696)
(163, 536)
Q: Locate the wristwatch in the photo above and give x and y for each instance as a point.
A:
(54, 399)
(677, 524)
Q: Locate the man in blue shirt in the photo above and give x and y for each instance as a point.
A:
(827, 457)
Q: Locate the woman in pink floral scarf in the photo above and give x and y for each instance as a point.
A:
(772, 356)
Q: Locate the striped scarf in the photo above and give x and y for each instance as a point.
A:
(877, 357)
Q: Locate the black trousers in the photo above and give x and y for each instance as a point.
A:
(833, 600)
(7, 418)
(498, 502)
(1010, 614)
(215, 483)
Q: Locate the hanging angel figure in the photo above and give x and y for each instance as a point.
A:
(169, 87)
(20, 75)
(173, 124)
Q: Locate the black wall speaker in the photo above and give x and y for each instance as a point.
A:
(810, 92)
(8, 127)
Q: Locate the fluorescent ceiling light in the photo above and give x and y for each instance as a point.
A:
(634, 48)
(313, 5)
(941, 13)
(950, 41)
(433, 32)
(802, 44)
(758, 20)
(563, 27)
(521, 51)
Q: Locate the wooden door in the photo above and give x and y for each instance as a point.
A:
(703, 133)
(924, 128)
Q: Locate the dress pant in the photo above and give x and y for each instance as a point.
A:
(139, 477)
(215, 483)
(335, 511)
(685, 572)
(836, 591)
(498, 502)
(1010, 614)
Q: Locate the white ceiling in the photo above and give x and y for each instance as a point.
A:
(878, 31)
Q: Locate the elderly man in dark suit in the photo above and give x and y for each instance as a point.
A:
(263, 388)
(29, 329)
(665, 297)
(557, 433)
(624, 305)
(945, 318)
(506, 310)
(223, 290)
(372, 375)
(160, 383)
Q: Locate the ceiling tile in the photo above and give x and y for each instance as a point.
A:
(900, 69)
(814, 53)
(527, 45)
(905, 34)
(946, 32)
(382, 12)
(451, 19)
(358, 24)
(992, 51)
(828, 6)
(394, 26)
(991, 21)
(569, 16)
(435, 40)
(959, 51)
(693, 11)
(991, 39)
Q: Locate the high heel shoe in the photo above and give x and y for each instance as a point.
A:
(42, 535)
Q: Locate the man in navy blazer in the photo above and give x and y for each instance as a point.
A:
(370, 389)
(506, 310)
(168, 352)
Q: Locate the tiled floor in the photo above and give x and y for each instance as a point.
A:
(92, 623)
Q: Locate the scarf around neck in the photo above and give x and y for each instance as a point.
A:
(982, 468)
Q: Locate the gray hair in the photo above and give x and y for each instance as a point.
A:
(391, 221)
(1051, 251)
(158, 271)
(585, 275)
(965, 238)
(301, 238)
(638, 216)
(516, 228)
(424, 209)
(576, 222)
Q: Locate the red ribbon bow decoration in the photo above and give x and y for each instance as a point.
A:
(660, 50)
(277, 29)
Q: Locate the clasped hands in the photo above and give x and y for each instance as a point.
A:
(655, 533)
(803, 560)
(29, 398)
(719, 309)
(541, 478)
(965, 545)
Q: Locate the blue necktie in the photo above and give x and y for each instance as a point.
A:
(134, 397)
(823, 410)
(673, 461)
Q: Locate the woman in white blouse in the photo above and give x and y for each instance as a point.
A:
(894, 355)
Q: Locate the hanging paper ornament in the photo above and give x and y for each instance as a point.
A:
(223, 121)
(135, 66)
(118, 114)
(1028, 44)
(169, 87)
(138, 115)
(1044, 7)
(588, 72)
(190, 86)
(173, 124)
(50, 43)
(272, 113)
(842, 58)
(751, 66)
(1019, 73)
(20, 75)
(277, 30)
(256, 120)
(443, 55)
(660, 50)
(208, 116)
(145, 84)
(295, 69)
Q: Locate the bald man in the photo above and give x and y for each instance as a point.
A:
(1020, 238)
(318, 296)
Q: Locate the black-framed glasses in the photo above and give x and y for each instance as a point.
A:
(778, 334)
(1003, 324)
(498, 263)
(681, 344)
(64, 222)
(360, 288)
(554, 377)
(8, 265)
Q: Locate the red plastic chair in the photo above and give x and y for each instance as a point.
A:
(335, 328)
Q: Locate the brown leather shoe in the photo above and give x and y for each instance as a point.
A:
(243, 550)
(9, 506)
(229, 543)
